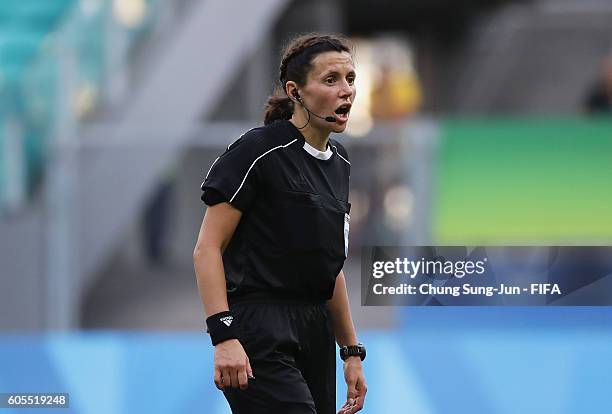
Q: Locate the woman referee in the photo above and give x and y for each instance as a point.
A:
(273, 241)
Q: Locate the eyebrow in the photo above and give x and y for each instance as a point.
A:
(335, 72)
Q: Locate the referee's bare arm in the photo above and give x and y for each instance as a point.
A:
(344, 331)
(232, 367)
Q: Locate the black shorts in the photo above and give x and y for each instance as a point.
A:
(292, 352)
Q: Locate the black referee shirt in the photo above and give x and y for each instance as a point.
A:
(293, 236)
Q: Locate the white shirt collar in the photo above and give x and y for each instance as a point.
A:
(318, 154)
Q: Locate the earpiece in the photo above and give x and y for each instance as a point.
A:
(296, 95)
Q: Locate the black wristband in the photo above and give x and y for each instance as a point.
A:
(221, 327)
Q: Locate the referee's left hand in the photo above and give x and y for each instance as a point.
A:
(356, 386)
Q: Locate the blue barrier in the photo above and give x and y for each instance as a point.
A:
(419, 370)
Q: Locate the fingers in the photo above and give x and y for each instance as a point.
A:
(355, 397)
(358, 405)
(348, 405)
(362, 389)
(351, 407)
(243, 381)
(234, 378)
(218, 382)
(226, 377)
(359, 401)
(232, 366)
(346, 408)
(351, 394)
(249, 369)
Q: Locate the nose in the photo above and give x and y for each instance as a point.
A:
(346, 90)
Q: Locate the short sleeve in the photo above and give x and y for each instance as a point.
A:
(233, 177)
(211, 197)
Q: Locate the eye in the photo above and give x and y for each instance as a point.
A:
(330, 79)
(351, 80)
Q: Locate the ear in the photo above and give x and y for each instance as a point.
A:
(292, 91)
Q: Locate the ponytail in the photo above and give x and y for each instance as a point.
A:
(278, 107)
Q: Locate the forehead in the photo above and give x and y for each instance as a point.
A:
(326, 62)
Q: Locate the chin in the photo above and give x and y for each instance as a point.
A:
(338, 128)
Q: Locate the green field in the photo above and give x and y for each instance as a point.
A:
(524, 181)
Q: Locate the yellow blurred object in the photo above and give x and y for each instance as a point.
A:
(129, 13)
(396, 95)
(85, 100)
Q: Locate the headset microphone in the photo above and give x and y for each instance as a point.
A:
(326, 118)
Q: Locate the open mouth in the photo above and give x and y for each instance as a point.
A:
(343, 111)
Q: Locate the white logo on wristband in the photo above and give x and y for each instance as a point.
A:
(227, 320)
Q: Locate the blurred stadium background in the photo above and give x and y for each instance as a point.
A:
(477, 122)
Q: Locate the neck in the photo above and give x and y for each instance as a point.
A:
(314, 136)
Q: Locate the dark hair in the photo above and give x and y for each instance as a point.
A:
(295, 65)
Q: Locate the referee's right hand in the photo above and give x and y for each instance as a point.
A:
(232, 366)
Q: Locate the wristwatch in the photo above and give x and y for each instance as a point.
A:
(353, 350)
